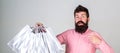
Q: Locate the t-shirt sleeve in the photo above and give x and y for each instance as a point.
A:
(103, 46)
(62, 37)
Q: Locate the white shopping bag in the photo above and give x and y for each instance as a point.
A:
(28, 42)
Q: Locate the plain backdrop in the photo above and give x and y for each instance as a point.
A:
(58, 14)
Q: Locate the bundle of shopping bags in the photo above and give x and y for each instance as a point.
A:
(35, 40)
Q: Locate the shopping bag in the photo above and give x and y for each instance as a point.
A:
(35, 40)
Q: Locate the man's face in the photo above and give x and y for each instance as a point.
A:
(81, 16)
(81, 22)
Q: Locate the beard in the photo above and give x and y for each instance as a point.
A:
(81, 28)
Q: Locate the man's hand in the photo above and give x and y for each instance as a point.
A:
(94, 39)
(38, 24)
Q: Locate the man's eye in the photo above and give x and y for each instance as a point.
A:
(83, 16)
(76, 17)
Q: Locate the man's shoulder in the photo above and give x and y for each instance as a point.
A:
(66, 32)
(70, 30)
(92, 31)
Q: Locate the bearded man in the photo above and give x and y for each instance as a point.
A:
(82, 39)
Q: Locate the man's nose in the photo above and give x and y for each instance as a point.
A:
(80, 18)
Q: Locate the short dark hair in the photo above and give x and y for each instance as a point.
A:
(81, 8)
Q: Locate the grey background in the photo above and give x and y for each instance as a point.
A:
(58, 14)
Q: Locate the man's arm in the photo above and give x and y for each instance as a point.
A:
(100, 43)
(61, 38)
(105, 48)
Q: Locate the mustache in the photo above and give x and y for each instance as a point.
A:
(80, 22)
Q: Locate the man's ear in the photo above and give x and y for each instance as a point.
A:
(88, 19)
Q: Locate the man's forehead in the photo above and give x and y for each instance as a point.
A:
(81, 13)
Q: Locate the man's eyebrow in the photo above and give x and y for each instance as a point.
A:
(83, 14)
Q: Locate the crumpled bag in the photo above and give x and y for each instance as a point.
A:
(27, 41)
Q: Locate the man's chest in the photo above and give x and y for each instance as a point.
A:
(79, 41)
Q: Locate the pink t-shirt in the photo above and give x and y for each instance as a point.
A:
(79, 43)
